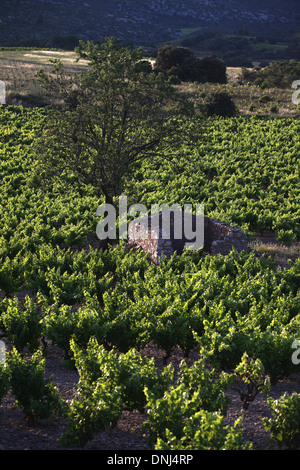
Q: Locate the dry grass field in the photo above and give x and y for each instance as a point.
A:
(250, 99)
(18, 70)
(19, 67)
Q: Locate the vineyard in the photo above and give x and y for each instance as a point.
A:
(231, 319)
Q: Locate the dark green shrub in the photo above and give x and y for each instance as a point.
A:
(273, 75)
(274, 108)
(181, 62)
(213, 69)
(170, 57)
(219, 103)
(265, 99)
(143, 66)
(174, 79)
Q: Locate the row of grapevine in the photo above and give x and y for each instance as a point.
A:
(101, 307)
(244, 170)
(186, 413)
(233, 303)
(110, 382)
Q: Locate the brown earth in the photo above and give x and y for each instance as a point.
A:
(16, 434)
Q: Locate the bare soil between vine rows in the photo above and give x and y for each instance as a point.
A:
(16, 434)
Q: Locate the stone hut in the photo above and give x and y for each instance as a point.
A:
(157, 238)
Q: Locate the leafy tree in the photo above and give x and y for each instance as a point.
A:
(213, 69)
(107, 117)
(180, 61)
(177, 60)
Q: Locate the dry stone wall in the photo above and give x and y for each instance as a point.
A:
(222, 238)
(149, 234)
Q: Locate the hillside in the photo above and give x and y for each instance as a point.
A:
(57, 285)
(18, 70)
(138, 21)
(102, 347)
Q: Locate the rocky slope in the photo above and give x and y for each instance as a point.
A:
(138, 21)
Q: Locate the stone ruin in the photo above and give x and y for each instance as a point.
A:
(157, 239)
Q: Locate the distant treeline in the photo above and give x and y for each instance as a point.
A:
(243, 47)
(56, 43)
(24, 48)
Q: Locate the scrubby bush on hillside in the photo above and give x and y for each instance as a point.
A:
(219, 103)
(275, 75)
(182, 63)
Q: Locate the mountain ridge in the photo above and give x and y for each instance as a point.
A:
(138, 21)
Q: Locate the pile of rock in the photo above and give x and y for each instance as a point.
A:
(157, 239)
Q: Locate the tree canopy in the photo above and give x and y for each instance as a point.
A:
(107, 116)
(181, 62)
